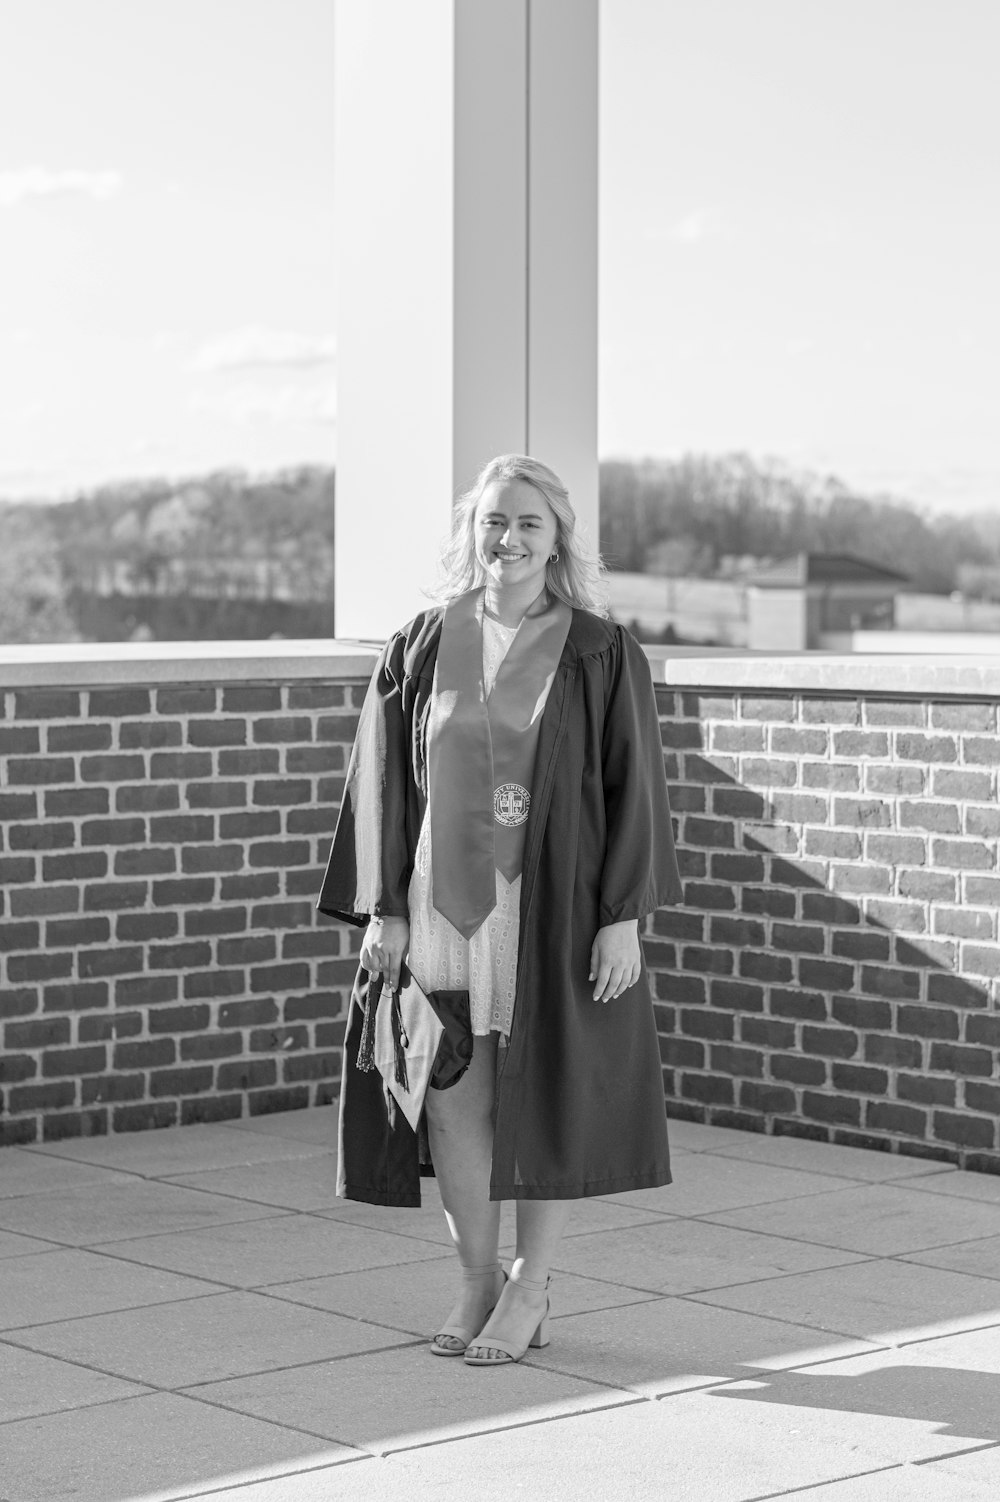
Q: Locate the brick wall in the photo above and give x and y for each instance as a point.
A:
(833, 973)
(161, 852)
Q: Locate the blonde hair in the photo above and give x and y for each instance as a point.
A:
(575, 577)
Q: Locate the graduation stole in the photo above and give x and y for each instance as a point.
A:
(481, 754)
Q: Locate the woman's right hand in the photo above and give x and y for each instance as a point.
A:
(384, 947)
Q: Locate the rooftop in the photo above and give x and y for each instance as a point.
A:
(823, 568)
(190, 1313)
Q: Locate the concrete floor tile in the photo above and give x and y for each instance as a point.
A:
(175, 1150)
(972, 1478)
(884, 1301)
(879, 1219)
(12, 1245)
(681, 1256)
(696, 1137)
(376, 1478)
(61, 1285)
(416, 1300)
(148, 1449)
(205, 1340)
(296, 1184)
(961, 1185)
(316, 1124)
(671, 1345)
(25, 1171)
(85, 1214)
(980, 1258)
(693, 1447)
(830, 1158)
(247, 1254)
(706, 1182)
(31, 1384)
(397, 1398)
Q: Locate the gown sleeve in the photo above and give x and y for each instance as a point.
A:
(368, 872)
(640, 871)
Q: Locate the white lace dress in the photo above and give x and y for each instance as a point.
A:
(439, 957)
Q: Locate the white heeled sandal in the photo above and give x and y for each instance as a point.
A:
(462, 1334)
(490, 1350)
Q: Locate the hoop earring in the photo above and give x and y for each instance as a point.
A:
(554, 557)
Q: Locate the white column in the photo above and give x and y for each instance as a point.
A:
(466, 202)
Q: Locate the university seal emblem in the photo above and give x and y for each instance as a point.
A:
(510, 804)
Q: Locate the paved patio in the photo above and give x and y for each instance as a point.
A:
(191, 1313)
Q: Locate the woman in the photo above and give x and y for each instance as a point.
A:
(505, 828)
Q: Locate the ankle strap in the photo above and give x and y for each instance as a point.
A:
(534, 1287)
(481, 1272)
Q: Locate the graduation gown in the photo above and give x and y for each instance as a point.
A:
(580, 1100)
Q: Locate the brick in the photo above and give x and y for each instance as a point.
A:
(214, 983)
(682, 989)
(955, 715)
(825, 975)
(736, 995)
(183, 956)
(147, 862)
(16, 1067)
(144, 1054)
(734, 737)
(309, 821)
(842, 777)
(681, 735)
(77, 997)
(117, 961)
(908, 917)
(281, 977)
(830, 1042)
(314, 696)
(199, 923)
(984, 890)
(981, 750)
(804, 1006)
(735, 802)
(757, 1095)
(187, 890)
(894, 712)
(701, 705)
(710, 896)
(180, 1081)
(863, 878)
(37, 1033)
(180, 766)
(36, 902)
(246, 888)
(120, 703)
(694, 1022)
(70, 803)
(859, 1079)
(78, 738)
(985, 1030)
(800, 938)
(217, 732)
(58, 1062)
(824, 907)
(18, 1003)
(682, 799)
(962, 784)
(248, 763)
(113, 831)
(965, 924)
(146, 990)
(145, 1116)
(692, 864)
(185, 700)
(969, 1131)
(130, 768)
(941, 818)
(14, 936)
(21, 740)
(767, 772)
(709, 1088)
(212, 1046)
(981, 1097)
(879, 980)
(249, 826)
(729, 1059)
(890, 1116)
(765, 967)
(101, 1025)
(840, 1109)
(323, 1005)
(44, 836)
(212, 858)
(925, 1089)
(927, 748)
(796, 1070)
(839, 844)
(894, 781)
(322, 759)
(905, 1053)
(981, 959)
(861, 1012)
(283, 792)
(16, 869)
(982, 821)
(46, 704)
(264, 1102)
(952, 1058)
(280, 853)
(793, 741)
(216, 794)
(105, 895)
(928, 886)
(211, 1108)
(138, 927)
(336, 727)
(817, 711)
(251, 1013)
(896, 849)
(682, 1053)
(153, 735)
(869, 813)
(18, 1133)
(40, 770)
(41, 1097)
(857, 743)
(964, 855)
(28, 968)
(182, 829)
(260, 700)
(150, 798)
(18, 806)
(99, 1088)
(247, 1074)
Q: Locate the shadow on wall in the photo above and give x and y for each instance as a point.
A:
(811, 983)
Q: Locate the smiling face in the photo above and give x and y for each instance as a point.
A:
(515, 533)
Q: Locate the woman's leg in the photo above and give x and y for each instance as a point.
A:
(460, 1129)
(524, 1301)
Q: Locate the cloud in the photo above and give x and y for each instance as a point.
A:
(691, 229)
(283, 404)
(24, 183)
(254, 346)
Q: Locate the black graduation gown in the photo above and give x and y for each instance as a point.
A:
(580, 1100)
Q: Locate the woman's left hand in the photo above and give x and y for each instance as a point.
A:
(615, 961)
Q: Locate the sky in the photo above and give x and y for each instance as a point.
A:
(799, 236)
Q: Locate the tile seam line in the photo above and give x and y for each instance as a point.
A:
(803, 1491)
(844, 1334)
(72, 1319)
(236, 1486)
(552, 1418)
(128, 1397)
(708, 1220)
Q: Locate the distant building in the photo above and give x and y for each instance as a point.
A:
(797, 604)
